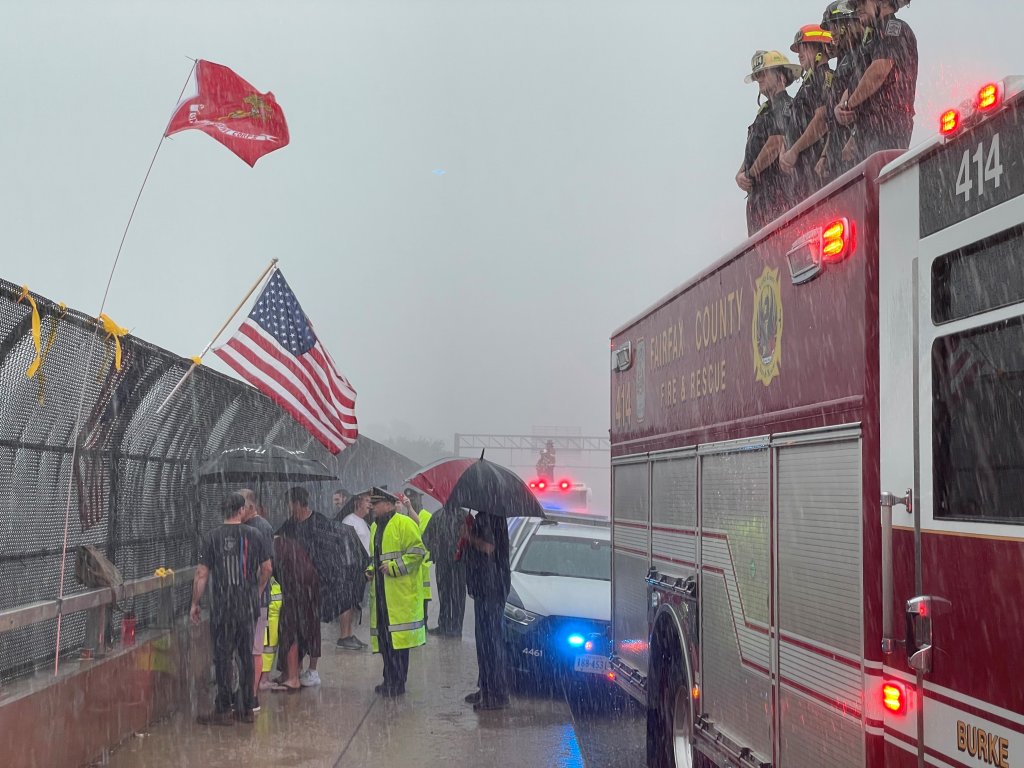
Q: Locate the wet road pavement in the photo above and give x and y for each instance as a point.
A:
(343, 724)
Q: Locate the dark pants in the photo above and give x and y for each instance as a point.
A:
(396, 661)
(764, 206)
(878, 139)
(232, 635)
(451, 595)
(489, 613)
(396, 666)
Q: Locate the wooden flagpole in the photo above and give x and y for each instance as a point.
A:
(199, 358)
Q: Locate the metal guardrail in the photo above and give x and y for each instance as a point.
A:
(45, 610)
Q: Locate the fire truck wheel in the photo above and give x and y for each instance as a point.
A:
(669, 723)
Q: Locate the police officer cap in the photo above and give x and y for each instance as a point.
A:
(379, 494)
(840, 10)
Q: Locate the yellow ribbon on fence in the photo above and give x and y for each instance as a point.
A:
(115, 332)
(50, 338)
(36, 332)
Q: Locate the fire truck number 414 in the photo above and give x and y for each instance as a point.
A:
(988, 166)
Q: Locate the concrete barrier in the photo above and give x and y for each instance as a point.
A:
(76, 717)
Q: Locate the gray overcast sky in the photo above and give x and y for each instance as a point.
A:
(589, 150)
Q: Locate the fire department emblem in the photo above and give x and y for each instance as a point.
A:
(767, 330)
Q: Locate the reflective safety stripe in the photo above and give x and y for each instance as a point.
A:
(373, 632)
(426, 583)
(416, 551)
(390, 556)
(405, 627)
(276, 598)
(400, 564)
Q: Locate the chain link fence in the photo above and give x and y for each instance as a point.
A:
(135, 493)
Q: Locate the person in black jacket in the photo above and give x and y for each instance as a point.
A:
(760, 176)
(807, 126)
(880, 106)
(322, 542)
(441, 539)
(489, 578)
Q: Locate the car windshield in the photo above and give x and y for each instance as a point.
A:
(567, 556)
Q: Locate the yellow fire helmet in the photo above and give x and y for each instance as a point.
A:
(762, 61)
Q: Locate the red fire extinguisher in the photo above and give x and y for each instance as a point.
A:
(128, 630)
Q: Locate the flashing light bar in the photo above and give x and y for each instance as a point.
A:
(949, 122)
(894, 697)
(575, 640)
(989, 98)
(541, 484)
(836, 241)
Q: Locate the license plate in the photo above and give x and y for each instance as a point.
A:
(592, 663)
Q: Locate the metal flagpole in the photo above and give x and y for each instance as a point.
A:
(88, 366)
(199, 358)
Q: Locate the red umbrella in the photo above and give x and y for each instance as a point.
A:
(478, 484)
(438, 479)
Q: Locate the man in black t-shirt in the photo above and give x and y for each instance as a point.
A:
(489, 578)
(880, 108)
(237, 558)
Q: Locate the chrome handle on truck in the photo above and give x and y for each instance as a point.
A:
(888, 501)
(919, 612)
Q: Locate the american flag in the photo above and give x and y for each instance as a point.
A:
(276, 351)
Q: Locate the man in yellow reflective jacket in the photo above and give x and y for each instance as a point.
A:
(396, 594)
(416, 499)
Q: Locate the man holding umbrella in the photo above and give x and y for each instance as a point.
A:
(396, 596)
(489, 578)
(498, 493)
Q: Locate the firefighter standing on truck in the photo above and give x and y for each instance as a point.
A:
(880, 108)
(806, 127)
(760, 176)
(840, 18)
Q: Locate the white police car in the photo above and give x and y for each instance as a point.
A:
(559, 608)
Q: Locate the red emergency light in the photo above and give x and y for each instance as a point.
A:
(949, 122)
(836, 241)
(894, 697)
(989, 97)
(540, 485)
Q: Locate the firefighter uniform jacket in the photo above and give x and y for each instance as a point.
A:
(402, 551)
(428, 593)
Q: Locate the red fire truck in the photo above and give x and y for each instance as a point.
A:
(818, 474)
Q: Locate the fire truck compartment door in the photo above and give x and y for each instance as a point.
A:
(819, 601)
(734, 589)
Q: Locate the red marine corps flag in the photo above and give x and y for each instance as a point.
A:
(247, 122)
(276, 351)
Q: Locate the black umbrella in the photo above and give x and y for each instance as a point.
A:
(489, 487)
(265, 463)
